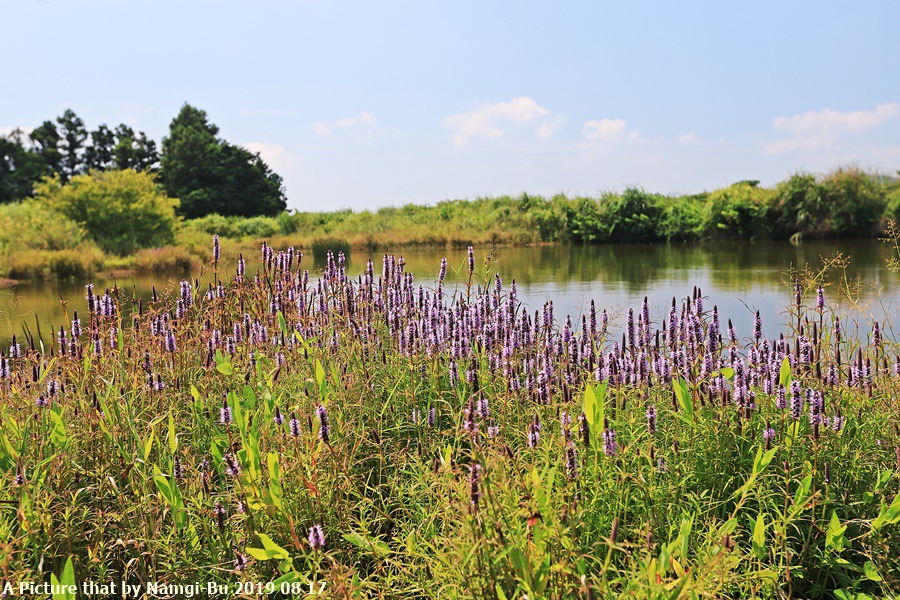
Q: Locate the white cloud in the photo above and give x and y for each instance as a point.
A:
(608, 130)
(485, 121)
(363, 120)
(277, 157)
(822, 130)
(688, 138)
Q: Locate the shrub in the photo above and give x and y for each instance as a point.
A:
(255, 227)
(121, 210)
(846, 202)
(741, 210)
(30, 225)
(853, 201)
(170, 259)
(631, 217)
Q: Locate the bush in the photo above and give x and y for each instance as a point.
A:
(631, 217)
(854, 203)
(255, 227)
(170, 259)
(30, 225)
(739, 211)
(121, 210)
(847, 202)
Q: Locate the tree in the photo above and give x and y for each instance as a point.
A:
(99, 155)
(212, 176)
(46, 141)
(135, 151)
(122, 210)
(73, 135)
(20, 168)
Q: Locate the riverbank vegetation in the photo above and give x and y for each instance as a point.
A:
(378, 436)
(120, 213)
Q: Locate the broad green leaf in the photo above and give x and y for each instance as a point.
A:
(763, 459)
(320, 373)
(784, 376)
(257, 553)
(58, 434)
(684, 398)
(173, 440)
(272, 549)
(727, 373)
(759, 536)
(871, 571)
(802, 491)
(888, 514)
(66, 583)
(834, 535)
(224, 368)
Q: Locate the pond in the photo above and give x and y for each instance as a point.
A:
(738, 277)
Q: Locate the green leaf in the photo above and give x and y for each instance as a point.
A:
(282, 325)
(173, 440)
(287, 578)
(372, 545)
(58, 434)
(320, 374)
(272, 549)
(148, 444)
(685, 400)
(802, 491)
(871, 571)
(759, 536)
(888, 514)
(66, 582)
(784, 376)
(762, 460)
(257, 553)
(727, 373)
(224, 368)
(834, 535)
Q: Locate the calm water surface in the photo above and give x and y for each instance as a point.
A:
(739, 277)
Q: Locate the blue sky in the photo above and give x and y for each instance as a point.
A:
(368, 104)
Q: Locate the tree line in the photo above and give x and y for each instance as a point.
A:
(205, 172)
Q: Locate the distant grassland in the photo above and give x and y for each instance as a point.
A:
(843, 203)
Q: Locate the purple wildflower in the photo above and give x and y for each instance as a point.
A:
(316, 537)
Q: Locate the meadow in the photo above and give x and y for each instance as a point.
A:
(377, 437)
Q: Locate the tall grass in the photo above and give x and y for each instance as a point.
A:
(370, 436)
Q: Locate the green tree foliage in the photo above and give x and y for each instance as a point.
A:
(19, 168)
(212, 176)
(121, 210)
(99, 155)
(73, 136)
(65, 148)
(134, 151)
(46, 141)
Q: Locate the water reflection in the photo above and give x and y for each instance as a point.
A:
(740, 277)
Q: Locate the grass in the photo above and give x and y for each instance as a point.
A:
(375, 438)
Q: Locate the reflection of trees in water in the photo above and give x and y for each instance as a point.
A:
(634, 268)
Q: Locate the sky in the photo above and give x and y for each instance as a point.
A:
(368, 104)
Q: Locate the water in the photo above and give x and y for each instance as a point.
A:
(738, 277)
